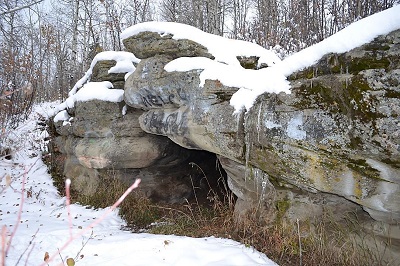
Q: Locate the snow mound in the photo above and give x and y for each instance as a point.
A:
(125, 63)
(225, 50)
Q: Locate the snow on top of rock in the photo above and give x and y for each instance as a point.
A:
(99, 91)
(226, 68)
(353, 36)
(247, 80)
(223, 49)
(252, 83)
(90, 91)
(61, 116)
(124, 63)
(86, 91)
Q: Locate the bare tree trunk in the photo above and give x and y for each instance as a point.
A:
(74, 43)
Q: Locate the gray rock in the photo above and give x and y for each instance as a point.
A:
(337, 133)
(334, 141)
(104, 139)
(148, 44)
(100, 73)
(123, 152)
(167, 90)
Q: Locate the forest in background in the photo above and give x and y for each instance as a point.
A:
(47, 45)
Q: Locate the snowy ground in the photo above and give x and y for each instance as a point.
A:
(44, 223)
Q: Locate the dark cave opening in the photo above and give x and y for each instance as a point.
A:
(208, 176)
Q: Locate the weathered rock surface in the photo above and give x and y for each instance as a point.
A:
(147, 44)
(103, 139)
(100, 73)
(337, 133)
(332, 145)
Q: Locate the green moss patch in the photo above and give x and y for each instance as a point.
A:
(364, 169)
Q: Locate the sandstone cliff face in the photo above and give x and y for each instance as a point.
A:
(333, 143)
(336, 134)
(103, 139)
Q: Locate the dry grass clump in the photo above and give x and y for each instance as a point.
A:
(326, 242)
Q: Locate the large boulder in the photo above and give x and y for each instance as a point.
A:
(100, 73)
(97, 139)
(337, 133)
(147, 44)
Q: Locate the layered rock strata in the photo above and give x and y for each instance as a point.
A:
(337, 133)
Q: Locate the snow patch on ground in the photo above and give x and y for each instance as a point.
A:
(44, 227)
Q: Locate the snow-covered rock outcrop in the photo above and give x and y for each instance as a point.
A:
(336, 133)
(322, 137)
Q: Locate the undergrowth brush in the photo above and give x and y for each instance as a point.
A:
(322, 242)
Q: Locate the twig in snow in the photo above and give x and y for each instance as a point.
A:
(298, 232)
(59, 253)
(83, 245)
(30, 243)
(29, 253)
(97, 221)
(68, 202)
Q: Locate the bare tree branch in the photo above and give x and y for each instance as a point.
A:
(20, 7)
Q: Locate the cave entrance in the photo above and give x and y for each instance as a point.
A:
(208, 177)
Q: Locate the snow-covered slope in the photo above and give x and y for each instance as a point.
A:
(26, 189)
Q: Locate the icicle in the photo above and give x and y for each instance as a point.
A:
(262, 179)
(247, 144)
(238, 124)
(258, 178)
(248, 170)
(258, 122)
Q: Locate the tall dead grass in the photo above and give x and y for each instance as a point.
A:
(322, 242)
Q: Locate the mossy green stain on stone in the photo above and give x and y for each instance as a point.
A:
(282, 206)
(392, 93)
(375, 57)
(321, 96)
(348, 99)
(261, 161)
(363, 168)
(376, 46)
(392, 162)
(355, 142)
(363, 109)
(358, 64)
